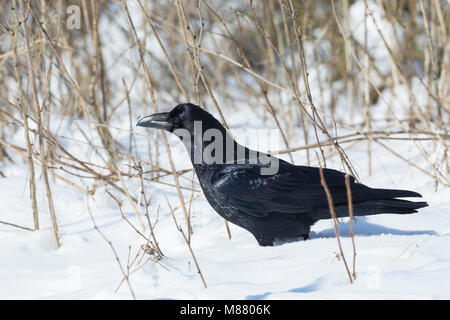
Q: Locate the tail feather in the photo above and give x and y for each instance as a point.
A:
(368, 201)
(371, 207)
(393, 193)
(387, 206)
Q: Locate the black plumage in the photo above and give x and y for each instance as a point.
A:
(281, 205)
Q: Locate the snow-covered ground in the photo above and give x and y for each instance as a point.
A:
(398, 256)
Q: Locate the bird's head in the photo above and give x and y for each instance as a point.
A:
(205, 138)
(183, 116)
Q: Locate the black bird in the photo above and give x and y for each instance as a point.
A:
(278, 205)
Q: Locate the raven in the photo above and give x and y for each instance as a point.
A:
(279, 205)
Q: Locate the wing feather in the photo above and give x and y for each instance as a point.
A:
(293, 190)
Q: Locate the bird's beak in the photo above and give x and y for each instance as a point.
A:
(157, 120)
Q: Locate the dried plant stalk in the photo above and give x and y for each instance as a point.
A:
(40, 133)
(335, 221)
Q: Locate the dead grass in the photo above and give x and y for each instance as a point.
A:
(219, 56)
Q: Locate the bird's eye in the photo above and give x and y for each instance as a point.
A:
(176, 119)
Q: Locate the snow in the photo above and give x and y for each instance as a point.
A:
(398, 256)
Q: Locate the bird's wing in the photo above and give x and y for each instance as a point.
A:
(293, 190)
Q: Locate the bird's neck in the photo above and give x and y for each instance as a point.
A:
(209, 143)
(213, 146)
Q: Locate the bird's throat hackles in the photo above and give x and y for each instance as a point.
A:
(214, 146)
